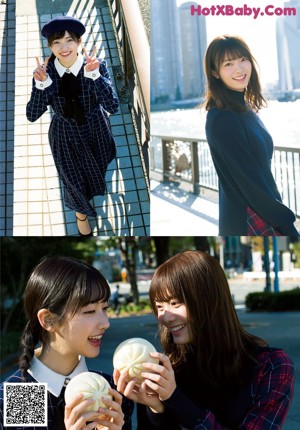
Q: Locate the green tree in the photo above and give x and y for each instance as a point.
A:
(19, 256)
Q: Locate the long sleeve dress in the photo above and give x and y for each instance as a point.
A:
(242, 151)
(81, 150)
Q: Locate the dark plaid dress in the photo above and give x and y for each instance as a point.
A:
(81, 152)
(56, 406)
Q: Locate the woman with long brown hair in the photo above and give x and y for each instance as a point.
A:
(213, 375)
(240, 145)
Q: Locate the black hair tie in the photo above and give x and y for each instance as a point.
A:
(70, 88)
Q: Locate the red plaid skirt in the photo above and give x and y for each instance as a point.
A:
(256, 226)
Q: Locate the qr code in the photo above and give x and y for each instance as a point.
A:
(25, 404)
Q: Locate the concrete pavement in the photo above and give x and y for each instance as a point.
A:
(187, 214)
(173, 210)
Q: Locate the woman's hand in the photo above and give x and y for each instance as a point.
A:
(77, 419)
(114, 417)
(92, 62)
(162, 380)
(40, 73)
(139, 393)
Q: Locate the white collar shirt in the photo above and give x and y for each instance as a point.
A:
(41, 373)
(61, 70)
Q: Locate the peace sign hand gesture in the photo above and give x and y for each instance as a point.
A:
(40, 73)
(92, 62)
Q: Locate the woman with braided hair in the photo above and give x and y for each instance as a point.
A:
(66, 302)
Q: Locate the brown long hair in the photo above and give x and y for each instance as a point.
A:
(61, 285)
(197, 280)
(217, 93)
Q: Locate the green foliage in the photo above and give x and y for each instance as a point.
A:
(9, 343)
(283, 301)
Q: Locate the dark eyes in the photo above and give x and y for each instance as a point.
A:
(92, 311)
(56, 42)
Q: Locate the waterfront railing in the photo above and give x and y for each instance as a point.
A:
(188, 163)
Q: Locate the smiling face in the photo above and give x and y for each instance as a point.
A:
(65, 49)
(82, 333)
(173, 315)
(235, 73)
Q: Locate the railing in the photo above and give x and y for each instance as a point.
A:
(188, 162)
(135, 55)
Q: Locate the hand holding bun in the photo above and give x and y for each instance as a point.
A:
(130, 355)
(92, 386)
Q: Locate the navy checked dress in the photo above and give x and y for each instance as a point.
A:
(56, 406)
(81, 152)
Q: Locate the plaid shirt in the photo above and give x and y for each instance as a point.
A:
(56, 406)
(258, 226)
(81, 152)
(266, 401)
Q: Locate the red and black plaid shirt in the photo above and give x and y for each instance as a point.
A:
(266, 400)
(256, 226)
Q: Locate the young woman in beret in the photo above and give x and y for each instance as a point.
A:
(213, 374)
(79, 90)
(241, 147)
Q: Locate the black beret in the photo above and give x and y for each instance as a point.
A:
(59, 23)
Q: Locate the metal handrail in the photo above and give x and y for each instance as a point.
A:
(135, 50)
(197, 170)
(139, 47)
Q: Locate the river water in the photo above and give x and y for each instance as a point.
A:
(282, 120)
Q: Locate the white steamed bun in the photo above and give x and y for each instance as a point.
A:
(91, 385)
(130, 355)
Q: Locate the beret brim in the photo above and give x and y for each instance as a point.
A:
(67, 23)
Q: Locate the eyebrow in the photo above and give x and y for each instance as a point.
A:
(62, 38)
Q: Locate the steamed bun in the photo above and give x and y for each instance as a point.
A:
(130, 355)
(91, 385)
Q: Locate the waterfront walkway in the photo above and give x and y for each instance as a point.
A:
(31, 194)
(176, 212)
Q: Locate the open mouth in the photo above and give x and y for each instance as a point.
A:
(177, 329)
(66, 54)
(240, 78)
(95, 340)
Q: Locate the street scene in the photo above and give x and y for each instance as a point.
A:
(129, 265)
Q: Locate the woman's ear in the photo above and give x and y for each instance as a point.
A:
(46, 319)
(216, 74)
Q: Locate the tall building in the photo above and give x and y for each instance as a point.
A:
(194, 44)
(166, 57)
(288, 48)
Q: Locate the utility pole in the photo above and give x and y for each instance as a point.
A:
(267, 264)
(276, 264)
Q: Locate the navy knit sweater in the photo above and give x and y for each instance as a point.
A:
(242, 151)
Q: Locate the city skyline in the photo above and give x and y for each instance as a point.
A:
(259, 34)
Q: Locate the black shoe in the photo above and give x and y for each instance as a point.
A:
(81, 234)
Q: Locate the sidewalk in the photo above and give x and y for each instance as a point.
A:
(32, 201)
(187, 214)
(174, 211)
